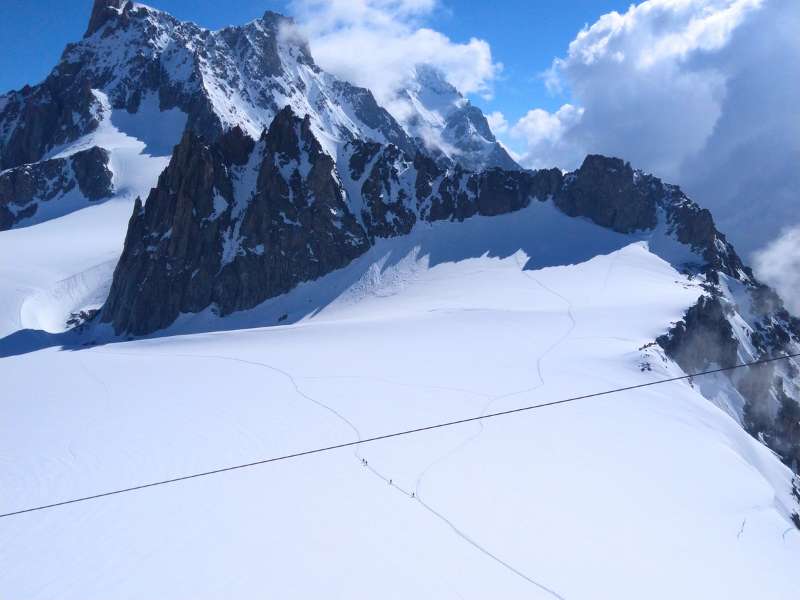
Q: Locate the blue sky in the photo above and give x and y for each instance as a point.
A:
(525, 35)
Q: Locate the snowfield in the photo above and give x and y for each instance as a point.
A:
(65, 262)
(655, 493)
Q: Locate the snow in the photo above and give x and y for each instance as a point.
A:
(43, 256)
(63, 257)
(654, 493)
(428, 105)
(139, 143)
(160, 130)
(219, 205)
(241, 94)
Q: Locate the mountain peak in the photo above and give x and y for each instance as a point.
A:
(103, 11)
(275, 19)
(435, 112)
(432, 80)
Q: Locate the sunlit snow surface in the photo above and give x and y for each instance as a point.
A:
(64, 263)
(649, 494)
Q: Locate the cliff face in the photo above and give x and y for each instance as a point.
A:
(233, 223)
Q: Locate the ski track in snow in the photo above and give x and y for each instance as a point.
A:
(365, 463)
(480, 429)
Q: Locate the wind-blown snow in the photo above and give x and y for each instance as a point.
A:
(654, 493)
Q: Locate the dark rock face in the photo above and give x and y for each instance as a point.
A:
(694, 227)
(704, 337)
(23, 188)
(610, 193)
(389, 208)
(235, 222)
(102, 12)
(198, 244)
(172, 229)
(36, 119)
(92, 173)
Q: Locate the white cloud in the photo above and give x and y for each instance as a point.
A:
(779, 265)
(544, 132)
(703, 93)
(377, 43)
(497, 122)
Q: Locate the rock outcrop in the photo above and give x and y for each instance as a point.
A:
(231, 224)
(726, 328)
(105, 10)
(24, 188)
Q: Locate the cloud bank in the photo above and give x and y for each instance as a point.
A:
(704, 93)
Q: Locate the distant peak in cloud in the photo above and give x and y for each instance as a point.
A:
(379, 43)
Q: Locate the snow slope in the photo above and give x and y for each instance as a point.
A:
(64, 260)
(649, 494)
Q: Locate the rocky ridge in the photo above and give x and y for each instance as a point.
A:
(23, 189)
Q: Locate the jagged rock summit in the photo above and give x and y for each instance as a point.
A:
(138, 61)
(237, 76)
(103, 11)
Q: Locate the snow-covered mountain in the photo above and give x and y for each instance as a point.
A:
(136, 63)
(301, 269)
(141, 62)
(438, 116)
